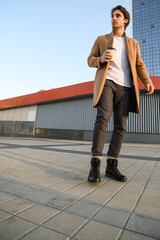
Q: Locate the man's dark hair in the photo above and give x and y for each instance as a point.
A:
(124, 11)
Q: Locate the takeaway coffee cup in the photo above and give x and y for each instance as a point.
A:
(112, 50)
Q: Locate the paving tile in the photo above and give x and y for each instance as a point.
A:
(151, 196)
(144, 224)
(62, 186)
(21, 190)
(5, 197)
(82, 189)
(65, 223)
(38, 196)
(16, 205)
(103, 193)
(46, 182)
(96, 230)
(15, 188)
(4, 215)
(39, 182)
(42, 233)
(38, 214)
(34, 178)
(14, 227)
(154, 184)
(144, 173)
(121, 204)
(6, 186)
(134, 236)
(25, 174)
(60, 201)
(83, 208)
(131, 191)
(112, 217)
(148, 211)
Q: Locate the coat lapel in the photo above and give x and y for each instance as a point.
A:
(127, 48)
(110, 39)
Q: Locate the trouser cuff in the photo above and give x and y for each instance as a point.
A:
(99, 157)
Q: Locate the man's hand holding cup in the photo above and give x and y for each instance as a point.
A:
(108, 55)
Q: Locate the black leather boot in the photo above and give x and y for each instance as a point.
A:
(94, 173)
(113, 172)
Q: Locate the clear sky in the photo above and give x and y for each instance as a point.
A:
(45, 44)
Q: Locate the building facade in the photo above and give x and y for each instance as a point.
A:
(146, 29)
(67, 113)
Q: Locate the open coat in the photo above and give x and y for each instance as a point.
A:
(136, 64)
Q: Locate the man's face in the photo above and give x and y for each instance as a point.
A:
(118, 20)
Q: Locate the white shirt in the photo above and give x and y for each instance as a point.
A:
(119, 69)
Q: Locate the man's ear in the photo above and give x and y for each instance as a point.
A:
(125, 20)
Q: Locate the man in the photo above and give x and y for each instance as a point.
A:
(115, 90)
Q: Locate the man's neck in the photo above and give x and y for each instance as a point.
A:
(118, 32)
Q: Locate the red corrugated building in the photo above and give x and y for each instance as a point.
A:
(67, 113)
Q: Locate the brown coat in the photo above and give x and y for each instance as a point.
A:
(136, 64)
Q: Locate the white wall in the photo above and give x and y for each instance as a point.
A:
(19, 114)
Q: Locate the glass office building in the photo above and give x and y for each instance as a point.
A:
(146, 29)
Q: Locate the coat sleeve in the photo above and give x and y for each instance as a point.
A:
(94, 57)
(141, 68)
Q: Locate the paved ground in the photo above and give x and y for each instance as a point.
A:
(44, 193)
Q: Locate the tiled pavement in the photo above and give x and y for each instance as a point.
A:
(44, 193)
